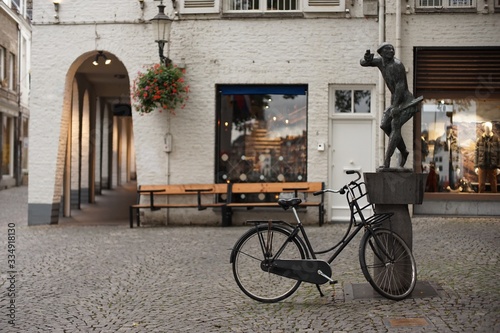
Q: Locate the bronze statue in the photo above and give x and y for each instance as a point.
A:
(403, 103)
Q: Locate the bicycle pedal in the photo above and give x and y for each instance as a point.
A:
(334, 282)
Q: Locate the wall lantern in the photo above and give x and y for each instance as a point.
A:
(161, 29)
(100, 54)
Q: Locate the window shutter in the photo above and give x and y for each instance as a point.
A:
(199, 6)
(474, 70)
(324, 5)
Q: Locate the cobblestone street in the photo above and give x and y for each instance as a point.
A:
(101, 276)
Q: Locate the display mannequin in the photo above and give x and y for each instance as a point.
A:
(487, 158)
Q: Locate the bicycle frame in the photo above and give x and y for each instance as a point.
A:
(299, 229)
(292, 256)
(354, 194)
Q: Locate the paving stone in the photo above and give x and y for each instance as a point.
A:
(110, 278)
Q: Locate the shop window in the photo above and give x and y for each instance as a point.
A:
(261, 133)
(453, 150)
(461, 94)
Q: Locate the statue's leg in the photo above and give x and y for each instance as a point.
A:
(395, 141)
(405, 115)
(385, 123)
(404, 153)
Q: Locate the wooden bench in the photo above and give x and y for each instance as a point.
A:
(197, 190)
(235, 190)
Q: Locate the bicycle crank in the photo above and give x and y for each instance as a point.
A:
(307, 270)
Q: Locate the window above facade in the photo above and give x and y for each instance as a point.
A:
(11, 82)
(260, 6)
(3, 83)
(446, 4)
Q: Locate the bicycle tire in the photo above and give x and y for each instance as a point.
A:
(393, 271)
(248, 255)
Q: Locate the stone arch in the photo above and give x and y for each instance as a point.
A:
(91, 94)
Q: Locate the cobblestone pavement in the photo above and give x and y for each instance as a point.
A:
(86, 277)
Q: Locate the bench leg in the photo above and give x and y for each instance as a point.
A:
(131, 216)
(138, 217)
(321, 215)
(227, 216)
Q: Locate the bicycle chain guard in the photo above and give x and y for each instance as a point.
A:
(302, 270)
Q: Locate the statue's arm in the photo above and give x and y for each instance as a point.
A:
(369, 60)
(375, 62)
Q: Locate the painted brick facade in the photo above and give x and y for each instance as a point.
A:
(318, 50)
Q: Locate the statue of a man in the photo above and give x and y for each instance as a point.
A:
(403, 103)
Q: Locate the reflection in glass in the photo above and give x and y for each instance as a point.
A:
(450, 132)
(262, 137)
(344, 101)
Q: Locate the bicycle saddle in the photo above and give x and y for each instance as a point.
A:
(287, 203)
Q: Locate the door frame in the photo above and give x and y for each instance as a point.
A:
(335, 118)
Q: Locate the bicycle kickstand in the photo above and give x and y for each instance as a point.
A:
(320, 292)
(326, 277)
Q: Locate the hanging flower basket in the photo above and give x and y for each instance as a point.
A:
(160, 87)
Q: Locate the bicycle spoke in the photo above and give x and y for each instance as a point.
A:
(392, 272)
(251, 275)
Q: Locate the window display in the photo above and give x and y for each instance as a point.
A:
(262, 134)
(460, 148)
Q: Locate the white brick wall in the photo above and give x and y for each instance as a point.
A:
(317, 51)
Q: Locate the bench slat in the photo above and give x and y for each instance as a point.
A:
(210, 189)
(155, 190)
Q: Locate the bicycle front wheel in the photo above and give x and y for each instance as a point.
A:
(255, 248)
(388, 264)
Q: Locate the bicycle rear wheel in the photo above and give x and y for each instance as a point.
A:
(388, 264)
(251, 251)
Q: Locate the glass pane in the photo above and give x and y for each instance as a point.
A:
(281, 4)
(243, 4)
(452, 146)
(343, 102)
(460, 3)
(362, 101)
(430, 3)
(262, 138)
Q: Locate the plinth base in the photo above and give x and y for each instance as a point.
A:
(391, 190)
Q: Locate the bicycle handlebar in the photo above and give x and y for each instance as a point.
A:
(350, 172)
(343, 188)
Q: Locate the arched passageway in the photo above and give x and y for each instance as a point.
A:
(100, 152)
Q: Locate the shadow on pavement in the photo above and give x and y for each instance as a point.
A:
(111, 208)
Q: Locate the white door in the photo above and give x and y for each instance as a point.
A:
(351, 148)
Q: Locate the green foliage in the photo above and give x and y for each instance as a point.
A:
(160, 87)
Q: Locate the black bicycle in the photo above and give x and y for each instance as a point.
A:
(273, 258)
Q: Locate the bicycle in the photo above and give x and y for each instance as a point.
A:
(272, 259)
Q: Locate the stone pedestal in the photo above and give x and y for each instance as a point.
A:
(392, 191)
